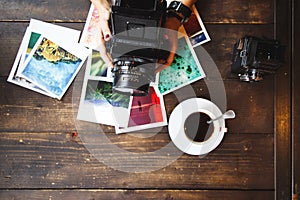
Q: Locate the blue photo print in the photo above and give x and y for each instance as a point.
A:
(51, 67)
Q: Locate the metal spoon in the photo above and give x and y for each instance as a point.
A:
(229, 114)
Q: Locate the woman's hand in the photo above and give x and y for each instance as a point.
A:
(171, 27)
(104, 9)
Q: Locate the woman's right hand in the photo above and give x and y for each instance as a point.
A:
(104, 9)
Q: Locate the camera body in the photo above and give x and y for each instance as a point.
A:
(254, 58)
(135, 43)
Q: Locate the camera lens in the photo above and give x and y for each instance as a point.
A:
(133, 75)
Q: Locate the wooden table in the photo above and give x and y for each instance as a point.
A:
(42, 158)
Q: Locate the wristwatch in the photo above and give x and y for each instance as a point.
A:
(179, 10)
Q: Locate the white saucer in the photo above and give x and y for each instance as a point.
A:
(177, 123)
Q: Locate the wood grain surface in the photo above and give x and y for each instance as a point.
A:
(42, 158)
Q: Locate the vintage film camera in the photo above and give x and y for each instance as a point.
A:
(254, 57)
(135, 43)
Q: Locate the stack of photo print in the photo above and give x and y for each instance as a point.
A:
(48, 59)
(98, 104)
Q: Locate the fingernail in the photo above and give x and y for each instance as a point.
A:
(107, 36)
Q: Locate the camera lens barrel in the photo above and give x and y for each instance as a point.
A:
(133, 75)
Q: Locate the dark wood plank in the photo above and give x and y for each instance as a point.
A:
(236, 11)
(283, 107)
(135, 194)
(296, 99)
(54, 10)
(10, 39)
(25, 110)
(227, 11)
(57, 160)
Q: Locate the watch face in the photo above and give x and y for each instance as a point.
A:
(174, 4)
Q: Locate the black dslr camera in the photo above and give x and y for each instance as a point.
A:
(254, 58)
(135, 43)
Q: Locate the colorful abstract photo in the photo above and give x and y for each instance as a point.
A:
(98, 66)
(51, 67)
(145, 109)
(184, 70)
(100, 93)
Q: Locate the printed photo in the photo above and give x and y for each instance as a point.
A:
(146, 112)
(90, 35)
(31, 43)
(184, 70)
(61, 34)
(15, 78)
(66, 36)
(98, 102)
(145, 109)
(96, 111)
(198, 39)
(33, 38)
(195, 29)
(51, 67)
(101, 93)
(98, 66)
(192, 26)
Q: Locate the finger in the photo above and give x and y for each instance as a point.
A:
(160, 67)
(170, 59)
(107, 59)
(103, 7)
(163, 64)
(104, 54)
(173, 50)
(105, 30)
